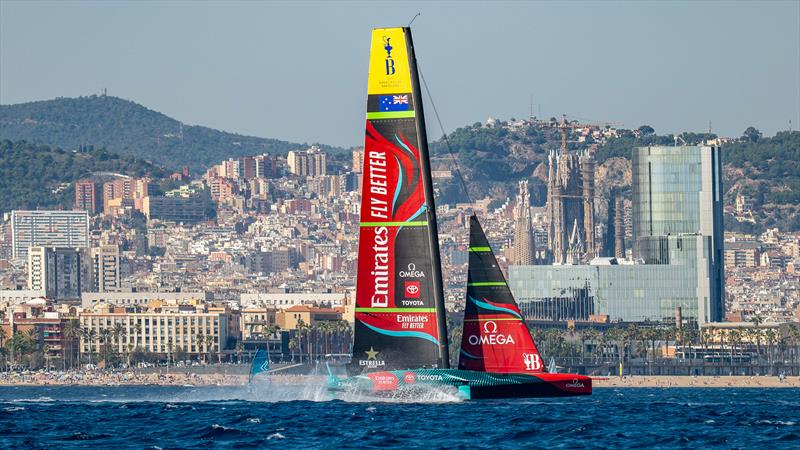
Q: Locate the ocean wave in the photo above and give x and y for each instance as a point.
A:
(220, 431)
(785, 423)
(81, 436)
(42, 399)
(276, 436)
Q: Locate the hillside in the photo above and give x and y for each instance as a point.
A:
(37, 176)
(494, 157)
(127, 128)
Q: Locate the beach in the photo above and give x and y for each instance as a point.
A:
(696, 382)
(179, 378)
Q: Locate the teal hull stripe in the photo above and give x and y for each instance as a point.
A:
(415, 334)
(488, 306)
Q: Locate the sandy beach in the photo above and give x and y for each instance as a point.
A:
(696, 382)
(176, 378)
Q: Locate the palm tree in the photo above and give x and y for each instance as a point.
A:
(16, 346)
(294, 344)
(169, 352)
(794, 335)
(771, 336)
(72, 332)
(210, 347)
(734, 337)
(105, 334)
(88, 338)
(200, 339)
(301, 330)
(3, 336)
(326, 328)
(239, 349)
(757, 320)
(344, 331)
(31, 346)
(119, 332)
(138, 329)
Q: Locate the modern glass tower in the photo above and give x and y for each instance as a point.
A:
(677, 210)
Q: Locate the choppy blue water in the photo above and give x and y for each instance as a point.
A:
(220, 417)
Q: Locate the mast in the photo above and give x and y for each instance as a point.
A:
(427, 182)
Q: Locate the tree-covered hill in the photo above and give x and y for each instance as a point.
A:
(37, 176)
(128, 128)
(494, 157)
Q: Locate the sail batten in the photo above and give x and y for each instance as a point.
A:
(495, 337)
(399, 302)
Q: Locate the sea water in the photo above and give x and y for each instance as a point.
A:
(124, 417)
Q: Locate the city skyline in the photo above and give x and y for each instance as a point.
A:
(215, 66)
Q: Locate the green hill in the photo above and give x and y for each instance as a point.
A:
(494, 157)
(37, 176)
(128, 128)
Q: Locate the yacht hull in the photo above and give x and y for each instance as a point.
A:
(469, 384)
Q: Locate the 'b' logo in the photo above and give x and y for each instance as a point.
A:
(389, 66)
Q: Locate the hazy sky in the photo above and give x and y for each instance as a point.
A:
(297, 71)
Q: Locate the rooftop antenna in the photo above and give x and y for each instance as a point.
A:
(412, 20)
(709, 127)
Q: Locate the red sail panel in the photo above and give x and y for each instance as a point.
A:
(495, 337)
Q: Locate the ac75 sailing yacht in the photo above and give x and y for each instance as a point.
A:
(400, 333)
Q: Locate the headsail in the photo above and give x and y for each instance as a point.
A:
(260, 363)
(495, 337)
(399, 301)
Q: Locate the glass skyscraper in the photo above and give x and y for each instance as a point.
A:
(677, 204)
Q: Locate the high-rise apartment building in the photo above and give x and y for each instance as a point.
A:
(48, 228)
(266, 166)
(358, 160)
(181, 209)
(61, 273)
(307, 163)
(105, 268)
(87, 197)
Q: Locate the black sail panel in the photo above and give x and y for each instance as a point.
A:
(399, 301)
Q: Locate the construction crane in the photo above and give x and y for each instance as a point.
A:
(564, 125)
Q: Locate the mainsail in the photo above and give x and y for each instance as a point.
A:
(400, 322)
(495, 338)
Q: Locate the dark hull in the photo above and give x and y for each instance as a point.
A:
(469, 384)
